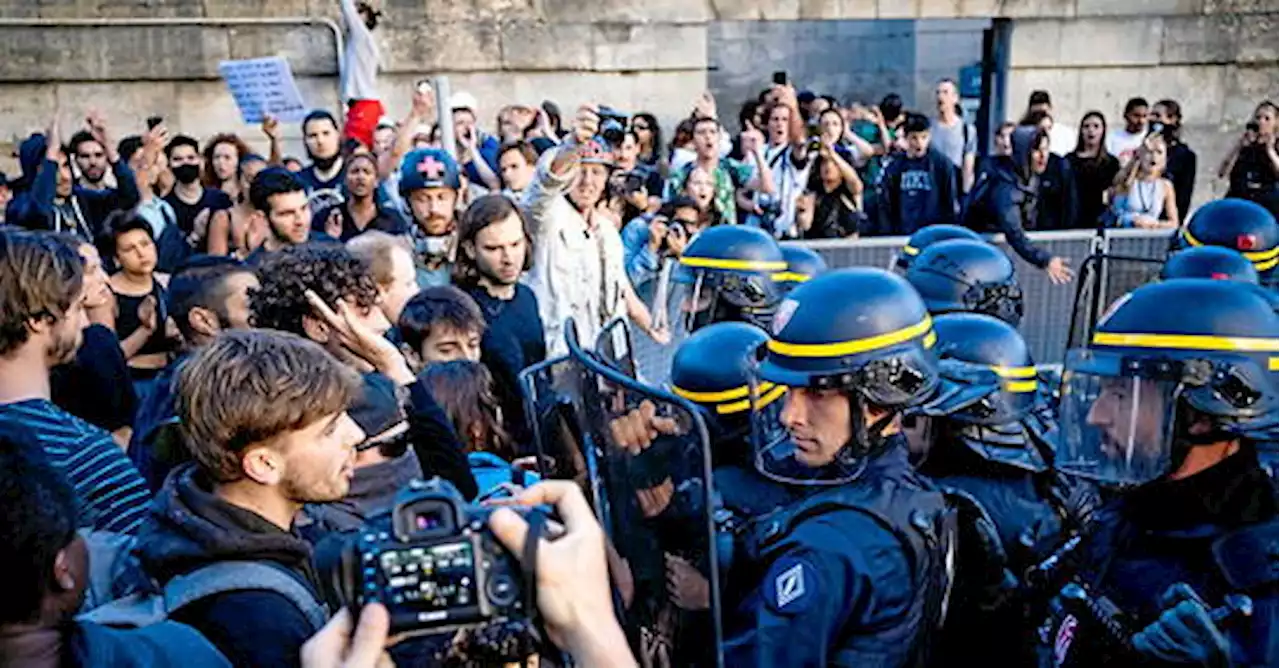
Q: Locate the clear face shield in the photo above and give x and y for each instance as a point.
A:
(718, 296)
(1117, 418)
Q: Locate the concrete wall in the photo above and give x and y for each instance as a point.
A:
(854, 59)
(1218, 57)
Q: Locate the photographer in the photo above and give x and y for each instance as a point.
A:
(1253, 165)
(647, 240)
(574, 599)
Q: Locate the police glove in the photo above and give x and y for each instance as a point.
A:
(1185, 633)
(1076, 500)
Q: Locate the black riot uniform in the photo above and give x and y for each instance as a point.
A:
(927, 236)
(853, 573)
(802, 264)
(733, 268)
(989, 447)
(960, 275)
(1162, 403)
(1240, 225)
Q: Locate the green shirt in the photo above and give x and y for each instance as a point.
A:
(729, 175)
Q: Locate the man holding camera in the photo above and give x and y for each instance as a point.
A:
(577, 253)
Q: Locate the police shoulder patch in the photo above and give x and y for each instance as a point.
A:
(790, 586)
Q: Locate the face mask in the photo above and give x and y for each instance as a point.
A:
(186, 174)
(325, 164)
(435, 246)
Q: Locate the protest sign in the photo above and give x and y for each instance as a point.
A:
(263, 86)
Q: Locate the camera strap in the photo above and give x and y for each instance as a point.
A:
(529, 559)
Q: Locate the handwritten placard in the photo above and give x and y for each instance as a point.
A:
(264, 86)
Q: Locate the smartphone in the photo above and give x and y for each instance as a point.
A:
(780, 78)
(1252, 126)
(153, 121)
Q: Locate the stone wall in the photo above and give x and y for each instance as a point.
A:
(1218, 57)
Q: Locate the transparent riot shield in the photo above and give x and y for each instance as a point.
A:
(613, 346)
(648, 456)
(1103, 280)
(552, 392)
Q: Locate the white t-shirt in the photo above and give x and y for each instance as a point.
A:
(1124, 144)
(1062, 139)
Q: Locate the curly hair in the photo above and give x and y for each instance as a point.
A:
(327, 268)
(208, 178)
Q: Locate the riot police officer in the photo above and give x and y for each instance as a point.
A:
(732, 268)
(1240, 225)
(989, 449)
(959, 275)
(927, 236)
(802, 264)
(852, 573)
(1163, 401)
(1214, 262)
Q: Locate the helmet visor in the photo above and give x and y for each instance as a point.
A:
(779, 457)
(1116, 427)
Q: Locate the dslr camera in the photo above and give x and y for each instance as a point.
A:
(432, 561)
(613, 125)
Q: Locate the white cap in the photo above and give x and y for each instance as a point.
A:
(386, 122)
(462, 100)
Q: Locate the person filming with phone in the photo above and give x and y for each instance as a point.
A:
(1253, 165)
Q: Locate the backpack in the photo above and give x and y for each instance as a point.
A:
(111, 562)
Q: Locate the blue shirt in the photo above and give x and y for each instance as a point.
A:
(110, 493)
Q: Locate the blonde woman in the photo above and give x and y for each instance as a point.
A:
(1141, 196)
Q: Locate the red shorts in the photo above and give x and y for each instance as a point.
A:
(362, 120)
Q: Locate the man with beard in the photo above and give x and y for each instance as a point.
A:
(280, 198)
(48, 197)
(193, 204)
(42, 301)
(94, 153)
(324, 293)
(324, 147)
(265, 418)
(430, 185)
(207, 296)
(361, 210)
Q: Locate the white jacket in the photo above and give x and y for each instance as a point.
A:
(577, 272)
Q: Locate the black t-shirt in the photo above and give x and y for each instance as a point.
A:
(1093, 177)
(1253, 172)
(185, 214)
(313, 182)
(95, 386)
(386, 220)
(834, 216)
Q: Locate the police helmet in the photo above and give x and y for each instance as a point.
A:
(960, 275)
(733, 268)
(428, 168)
(712, 368)
(1209, 262)
(993, 389)
(1237, 224)
(802, 264)
(1175, 364)
(927, 236)
(860, 331)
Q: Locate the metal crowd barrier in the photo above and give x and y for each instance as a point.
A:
(1046, 324)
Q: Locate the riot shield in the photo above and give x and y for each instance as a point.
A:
(1102, 281)
(653, 498)
(613, 346)
(552, 390)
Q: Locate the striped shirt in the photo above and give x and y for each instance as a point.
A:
(110, 493)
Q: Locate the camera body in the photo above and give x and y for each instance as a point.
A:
(613, 125)
(434, 564)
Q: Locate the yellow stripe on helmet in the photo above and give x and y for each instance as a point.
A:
(739, 406)
(790, 277)
(910, 250)
(1186, 342)
(1015, 371)
(1273, 364)
(723, 395)
(1257, 257)
(1020, 386)
(922, 328)
(732, 265)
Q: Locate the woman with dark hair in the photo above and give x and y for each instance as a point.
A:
(649, 134)
(1094, 168)
(832, 207)
(222, 155)
(1058, 206)
(464, 389)
(140, 296)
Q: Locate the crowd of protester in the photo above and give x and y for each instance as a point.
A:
(179, 314)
